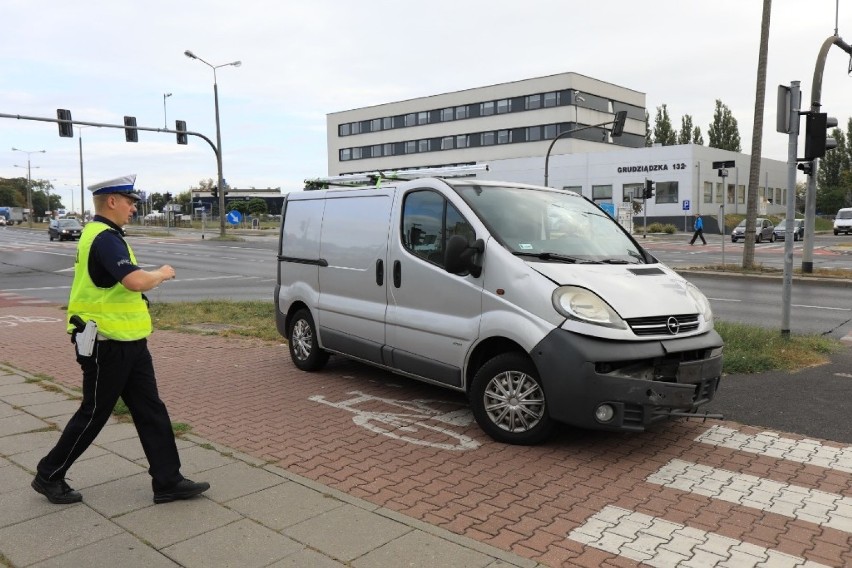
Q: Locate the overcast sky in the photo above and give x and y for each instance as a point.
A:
(104, 59)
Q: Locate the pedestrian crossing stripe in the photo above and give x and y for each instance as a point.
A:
(809, 452)
(811, 505)
(658, 542)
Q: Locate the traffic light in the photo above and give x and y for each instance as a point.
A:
(168, 197)
(214, 191)
(66, 129)
(649, 189)
(180, 126)
(817, 140)
(618, 125)
(130, 132)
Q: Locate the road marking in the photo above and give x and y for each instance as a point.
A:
(229, 276)
(31, 289)
(723, 300)
(810, 452)
(811, 505)
(822, 308)
(657, 542)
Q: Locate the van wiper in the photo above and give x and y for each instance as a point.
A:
(552, 256)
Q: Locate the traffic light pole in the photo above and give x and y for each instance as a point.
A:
(792, 151)
(810, 197)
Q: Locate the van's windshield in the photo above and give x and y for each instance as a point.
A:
(551, 225)
(844, 214)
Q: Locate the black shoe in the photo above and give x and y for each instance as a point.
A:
(57, 492)
(184, 489)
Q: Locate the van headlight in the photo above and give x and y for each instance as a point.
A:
(586, 306)
(701, 301)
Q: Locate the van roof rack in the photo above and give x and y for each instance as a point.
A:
(358, 180)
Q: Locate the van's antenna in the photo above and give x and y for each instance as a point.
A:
(836, 16)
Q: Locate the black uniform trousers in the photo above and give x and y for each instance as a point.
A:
(125, 369)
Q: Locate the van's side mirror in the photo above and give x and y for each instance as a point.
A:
(461, 256)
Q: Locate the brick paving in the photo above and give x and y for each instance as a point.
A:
(440, 468)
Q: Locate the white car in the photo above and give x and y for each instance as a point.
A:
(843, 221)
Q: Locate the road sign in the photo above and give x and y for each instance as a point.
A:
(723, 173)
(234, 217)
(686, 204)
(724, 164)
(609, 208)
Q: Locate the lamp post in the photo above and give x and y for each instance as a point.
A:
(29, 183)
(221, 185)
(82, 185)
(165, 117)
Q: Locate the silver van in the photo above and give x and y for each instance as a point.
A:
(531, 300)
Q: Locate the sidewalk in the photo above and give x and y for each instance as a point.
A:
(254, 514)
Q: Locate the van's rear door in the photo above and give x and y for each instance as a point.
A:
(353, 292)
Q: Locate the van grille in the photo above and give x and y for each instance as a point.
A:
(664, 325)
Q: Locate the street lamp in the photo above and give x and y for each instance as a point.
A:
(165, 118)
(221, 185)
(82, 185)
(29, 183)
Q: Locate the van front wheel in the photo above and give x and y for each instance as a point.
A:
(508, 402)
(302, 339)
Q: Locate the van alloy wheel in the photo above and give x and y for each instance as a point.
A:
(508, 400)
(302, 339)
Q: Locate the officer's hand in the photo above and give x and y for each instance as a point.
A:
(167, 272)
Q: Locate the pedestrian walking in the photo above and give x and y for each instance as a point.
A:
(699, 230)
(108, 294)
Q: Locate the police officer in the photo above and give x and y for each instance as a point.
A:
(108, 289)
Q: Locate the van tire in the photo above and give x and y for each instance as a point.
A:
(302, 341)
(492, 379)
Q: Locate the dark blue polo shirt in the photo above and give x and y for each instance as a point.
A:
(109, 258)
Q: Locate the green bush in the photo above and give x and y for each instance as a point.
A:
(659, 228)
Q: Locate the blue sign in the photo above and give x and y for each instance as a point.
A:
(609, 207)
(686, 204)
(234, 217)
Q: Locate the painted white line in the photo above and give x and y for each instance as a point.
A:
(657, 542)
(723, 300)
(811, 505)
(811, 452)
(228, 277)
(821, 308)
(33, 289)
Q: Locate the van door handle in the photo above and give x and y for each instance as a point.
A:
(397, 274)
(380, 272)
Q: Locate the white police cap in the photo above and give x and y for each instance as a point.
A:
(122, 185)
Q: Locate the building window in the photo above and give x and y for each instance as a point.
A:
(487, 138)
(551, 99)
(550, 131)
(423, 117)
(719, 196)
(504, 106)
(423, 145)
(446, 114)
(355, 128)
(375, 125)
(731, 194)
(532, 102)
(462, 141)
(345, 154)
(410, 119)
(631, 191)
(356, 153)
(461, 112)
(533, 133)
(387, 123)
(410, 147)
(504, 136)
(601, 193)
(343, 130)
(486, 109)
(574, 188)
(387, 150)
(376, 151)
(740, 194)
(447, 143)
(708, 192)
(666, 192)
(777, 195)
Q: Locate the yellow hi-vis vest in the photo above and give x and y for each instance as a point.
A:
(120, 313)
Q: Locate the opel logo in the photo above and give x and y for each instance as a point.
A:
(673, 325)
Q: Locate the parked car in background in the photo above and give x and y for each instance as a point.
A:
(763, 231)
(798, 229)
(64, 229)
(843, 221)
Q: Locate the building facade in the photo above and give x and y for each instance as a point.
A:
(509, 120)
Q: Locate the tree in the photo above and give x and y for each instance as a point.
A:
(649, 141)
(257, 206)
(756, 138)
(663, 132)
(13, 192)
(238, 205)
(724, 133)
(834, 174)
(697, 138)
(685, 134)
